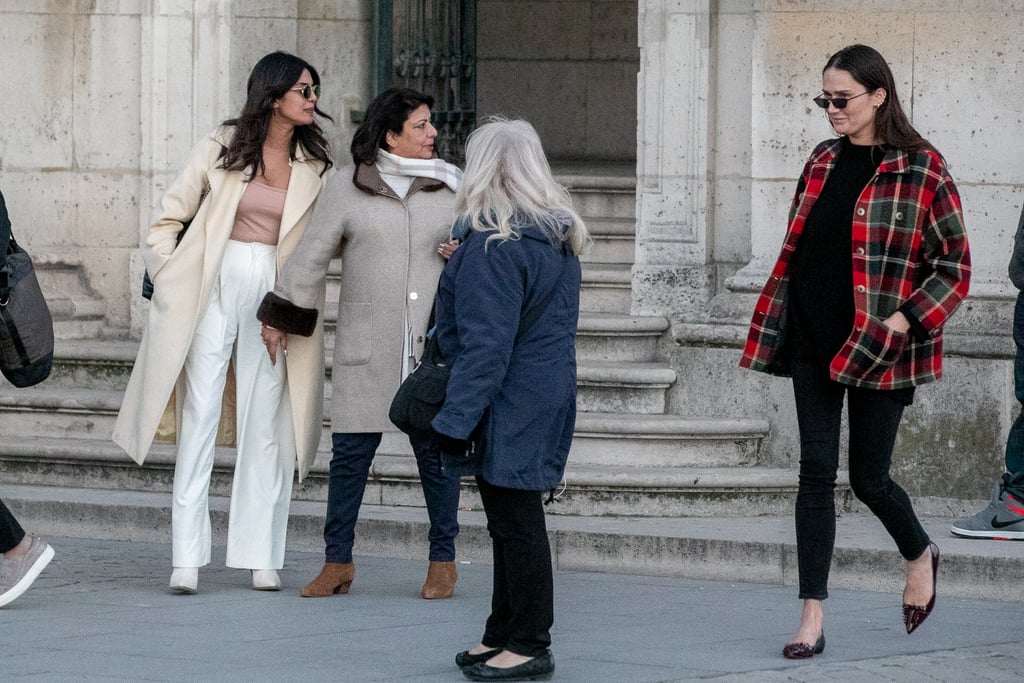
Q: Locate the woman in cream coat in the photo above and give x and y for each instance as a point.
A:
(262, 170)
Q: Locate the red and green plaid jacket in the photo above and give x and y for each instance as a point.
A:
(910, 253)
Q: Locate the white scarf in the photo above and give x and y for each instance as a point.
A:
(438, 169)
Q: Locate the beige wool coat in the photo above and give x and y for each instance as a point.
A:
(184, 276)
(389, 273)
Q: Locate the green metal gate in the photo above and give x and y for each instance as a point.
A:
(430, 46)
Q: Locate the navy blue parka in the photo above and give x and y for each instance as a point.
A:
(525, 385)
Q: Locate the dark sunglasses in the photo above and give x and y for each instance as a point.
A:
(823, 102)
(308, 91)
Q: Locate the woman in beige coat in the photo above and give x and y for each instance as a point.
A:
(385, 215)
(249, 189)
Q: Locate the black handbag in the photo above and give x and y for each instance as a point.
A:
(26, 326)
(147, 282)
(422, 393)
(420, 396)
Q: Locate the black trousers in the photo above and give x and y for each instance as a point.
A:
(522, 603)
(874, 418)
(11, 532)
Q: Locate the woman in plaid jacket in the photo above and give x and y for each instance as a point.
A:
(874, 262)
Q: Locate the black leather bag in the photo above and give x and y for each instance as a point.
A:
(26, 326)
(421, 395)
(419, 398)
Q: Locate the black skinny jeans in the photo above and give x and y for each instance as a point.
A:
(874, 419)
(11, 532)
(522, 603)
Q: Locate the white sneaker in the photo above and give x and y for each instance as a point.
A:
(185, 580)
(265, 580)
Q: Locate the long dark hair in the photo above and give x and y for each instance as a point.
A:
(387, 112)
(270, 79)
(870, 69)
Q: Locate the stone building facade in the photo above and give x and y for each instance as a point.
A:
(708, 100)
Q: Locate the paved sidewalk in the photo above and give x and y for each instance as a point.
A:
(101, 612)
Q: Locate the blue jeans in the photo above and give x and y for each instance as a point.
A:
(1015, 441)
(351, 457)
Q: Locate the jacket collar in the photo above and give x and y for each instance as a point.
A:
(893, 161)
(367, 178)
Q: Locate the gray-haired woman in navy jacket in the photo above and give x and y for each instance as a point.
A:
(507, 307)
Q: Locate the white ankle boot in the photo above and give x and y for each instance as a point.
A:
(185, 580)
(265, 580)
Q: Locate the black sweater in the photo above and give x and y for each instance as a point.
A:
(821, 310)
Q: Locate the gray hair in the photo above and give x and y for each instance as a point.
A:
(508, 184)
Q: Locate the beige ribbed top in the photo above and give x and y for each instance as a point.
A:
(258, 218)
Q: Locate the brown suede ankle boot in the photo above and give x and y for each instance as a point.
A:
(334, 578)
(440, 583)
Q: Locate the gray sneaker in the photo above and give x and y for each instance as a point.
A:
(1003, 519)
(18, 573)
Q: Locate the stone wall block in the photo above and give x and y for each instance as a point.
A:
(340, 51)
(37, 108)
(614, 31)
(606, 110)
(107, 85)
(952, 439)
(335, 10)
(533, 30)
(991, 212)
(545, 92)
(967, 112)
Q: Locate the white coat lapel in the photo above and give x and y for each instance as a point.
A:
(303, 187)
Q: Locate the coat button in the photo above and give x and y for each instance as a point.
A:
(419, 340)
(413, 296)
(899, 215)
(860, 211)
(861, 289)
(860, 251)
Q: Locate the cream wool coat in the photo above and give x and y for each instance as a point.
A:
(390, 268)
(184, 277)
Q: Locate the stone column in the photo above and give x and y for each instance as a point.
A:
(671, 272)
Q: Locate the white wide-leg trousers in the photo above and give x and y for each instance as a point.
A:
(265, 465)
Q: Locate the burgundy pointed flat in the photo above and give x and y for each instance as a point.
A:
(914, 615)
(804, 650)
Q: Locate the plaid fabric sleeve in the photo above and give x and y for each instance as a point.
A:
(945, 249)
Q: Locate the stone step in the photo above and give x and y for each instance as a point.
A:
(608, 193)
(614, 241)
(664, 441)
(617, 337)
(617, 387)
(607, 288)
(46, 410)
(621, 488)
(759, 549)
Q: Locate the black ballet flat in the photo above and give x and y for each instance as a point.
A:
(464, 659)
(804, 650)
(536, 669)
(914, 615)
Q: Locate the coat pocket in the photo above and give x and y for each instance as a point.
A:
(352, 339)
(871, 351)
